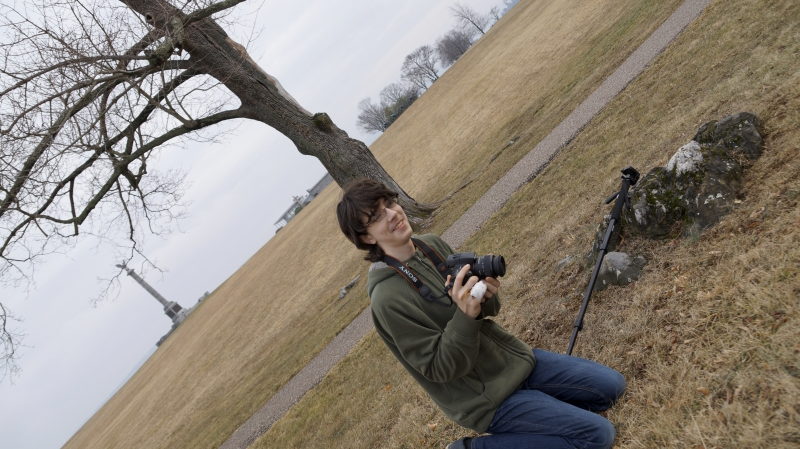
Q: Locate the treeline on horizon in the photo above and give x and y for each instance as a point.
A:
(423, 66)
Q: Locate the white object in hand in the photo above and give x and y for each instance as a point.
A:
(478, 290)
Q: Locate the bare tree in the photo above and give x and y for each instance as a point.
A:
(89, 91)
(395, 98)
(397, 93)
(452, 45)
(495, 14)
(468, 18)
(420, 67)
(372, 117)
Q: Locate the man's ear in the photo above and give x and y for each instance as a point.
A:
(368, 239)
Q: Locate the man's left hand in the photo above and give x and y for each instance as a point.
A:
(492, 286)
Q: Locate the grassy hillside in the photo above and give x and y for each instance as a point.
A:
(707, 338)
(244, 342)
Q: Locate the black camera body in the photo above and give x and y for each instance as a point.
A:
(488, 266)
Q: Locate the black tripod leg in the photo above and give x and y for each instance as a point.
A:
(629, 178)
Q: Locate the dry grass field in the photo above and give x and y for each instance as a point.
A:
(707, 338)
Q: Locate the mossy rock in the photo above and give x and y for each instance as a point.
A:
(657, 203)
(737, 133)
(665, 200)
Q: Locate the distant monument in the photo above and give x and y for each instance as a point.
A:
(173, 310)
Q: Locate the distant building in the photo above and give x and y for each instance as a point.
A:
(321, 184)
(299, 202)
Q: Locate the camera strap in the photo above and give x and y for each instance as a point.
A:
(413, 279)
(430, 253)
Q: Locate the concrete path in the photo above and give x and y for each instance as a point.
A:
(479, 213)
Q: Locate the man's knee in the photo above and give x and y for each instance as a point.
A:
(611, 385)
(617, 386)
(603, 436)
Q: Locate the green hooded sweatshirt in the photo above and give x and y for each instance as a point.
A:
(467, 366)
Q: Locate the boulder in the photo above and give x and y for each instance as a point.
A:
(738, 133)
(656, 204)
(686, 160)
(699, 183)
(619, 269)
(716, 192)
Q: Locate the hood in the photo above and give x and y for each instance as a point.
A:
(378, 272)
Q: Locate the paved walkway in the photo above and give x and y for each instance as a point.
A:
(479, 213)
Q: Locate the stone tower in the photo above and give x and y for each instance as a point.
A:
(173, 310)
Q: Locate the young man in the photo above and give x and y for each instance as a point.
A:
(478, 374)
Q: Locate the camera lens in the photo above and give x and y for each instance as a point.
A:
(498, 266)
(490, 266)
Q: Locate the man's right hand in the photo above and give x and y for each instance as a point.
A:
(461, 293)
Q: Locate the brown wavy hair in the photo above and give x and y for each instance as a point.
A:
(359, 200)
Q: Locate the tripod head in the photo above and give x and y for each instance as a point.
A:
(629, 174)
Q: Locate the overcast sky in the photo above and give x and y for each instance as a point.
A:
(328, 55)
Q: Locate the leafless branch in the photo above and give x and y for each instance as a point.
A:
(8, 345)
(86, 94)
(210, 10)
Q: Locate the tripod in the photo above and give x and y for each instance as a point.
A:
(629, 177)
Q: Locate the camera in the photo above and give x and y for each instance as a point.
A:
(483, 266)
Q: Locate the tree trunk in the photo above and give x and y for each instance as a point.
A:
(264, 99)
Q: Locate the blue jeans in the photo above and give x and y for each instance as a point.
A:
(554, 407)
